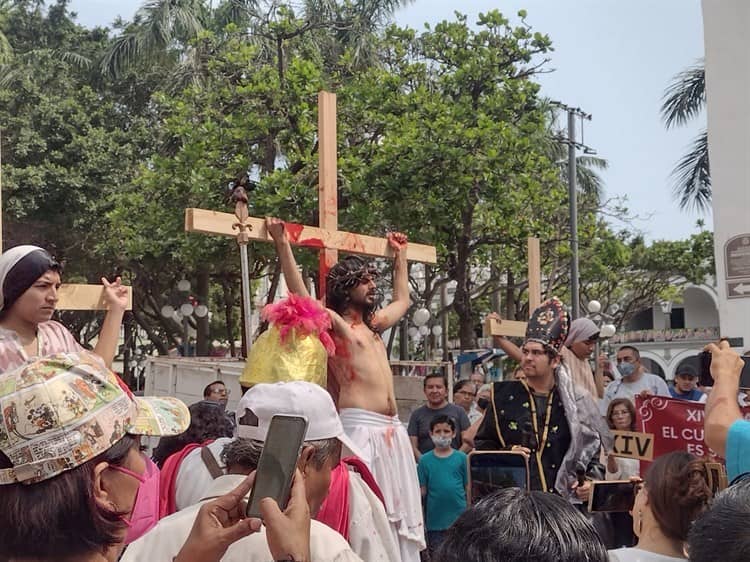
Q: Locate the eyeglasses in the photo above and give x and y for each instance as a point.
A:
(466, 393)
(221, 391)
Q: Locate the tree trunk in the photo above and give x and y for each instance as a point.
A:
(510, 296)
(462, 299)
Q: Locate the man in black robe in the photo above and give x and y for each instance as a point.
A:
(542, 416)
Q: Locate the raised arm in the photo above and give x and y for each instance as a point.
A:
(116, 297)
(391, 314)
(511, 349)
(721, 407)
(292, 276)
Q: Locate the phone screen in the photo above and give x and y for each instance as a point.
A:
(705, 378)
(273, 479)
(492, 471)
(617, 495)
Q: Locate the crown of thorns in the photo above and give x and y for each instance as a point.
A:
(342, 276)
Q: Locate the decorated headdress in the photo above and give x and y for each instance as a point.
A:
(549, 325)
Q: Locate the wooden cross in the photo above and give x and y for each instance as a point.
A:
(70, 296)
(326, 237)
(514, 328)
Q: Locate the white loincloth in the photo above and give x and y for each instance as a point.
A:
(388, 454)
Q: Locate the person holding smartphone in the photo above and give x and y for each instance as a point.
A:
(674, 493)
(545, 416)
(726, 431)
(314, 461)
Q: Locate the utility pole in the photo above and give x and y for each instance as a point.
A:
(573, 145)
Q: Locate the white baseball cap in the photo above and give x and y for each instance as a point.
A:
(294, 398)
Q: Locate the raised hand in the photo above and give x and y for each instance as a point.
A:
(398, 242)
(288, 532)
(276, 229)
(218, 524)
(115, 294)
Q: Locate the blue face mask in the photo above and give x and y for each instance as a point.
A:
(626, 369)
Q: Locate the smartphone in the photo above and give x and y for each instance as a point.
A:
(705, 378)
(490, 471)
(717, 477)
(273, 478)
(612, 495)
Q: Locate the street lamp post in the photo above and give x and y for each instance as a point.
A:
(185, 311)
(604, 321)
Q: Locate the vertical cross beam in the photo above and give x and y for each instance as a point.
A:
(327, 182)
(535, 275)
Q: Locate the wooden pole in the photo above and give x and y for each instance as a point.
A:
(327, 182)
(535, 275)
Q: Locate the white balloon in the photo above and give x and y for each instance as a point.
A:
(437, 330)
(186, 309)
(183, 285)
(594, 307)
(201, 310)
(167, 311)
(421, 317)
(607, 331)
(412, 331)
(424, 330)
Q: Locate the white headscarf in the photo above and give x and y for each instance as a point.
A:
(581, 329)
(9, 259)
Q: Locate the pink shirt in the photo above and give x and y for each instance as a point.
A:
(53, 338)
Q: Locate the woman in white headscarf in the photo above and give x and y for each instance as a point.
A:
(29, 282)
(575, 354)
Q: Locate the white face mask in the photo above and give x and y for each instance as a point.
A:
(440, 441)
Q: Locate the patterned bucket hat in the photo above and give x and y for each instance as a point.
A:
(549, 324)
(65, 409)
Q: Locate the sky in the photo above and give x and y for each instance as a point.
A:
(613, 59)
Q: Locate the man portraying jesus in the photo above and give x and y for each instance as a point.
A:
(360, 377)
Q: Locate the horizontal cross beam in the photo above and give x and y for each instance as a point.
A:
(510, 328)
(85, 297)
(213, 222)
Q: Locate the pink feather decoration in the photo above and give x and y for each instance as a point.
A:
(303, 315)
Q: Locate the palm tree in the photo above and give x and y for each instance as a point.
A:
(163, 29)
(683, 100)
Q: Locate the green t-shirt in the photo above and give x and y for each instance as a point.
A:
(445, 480)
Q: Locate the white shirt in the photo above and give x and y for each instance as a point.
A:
(624, 389)
(370, 533)
(163, 542)
(193, 478)
(638, 555)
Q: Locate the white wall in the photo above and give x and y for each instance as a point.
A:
(727, 44)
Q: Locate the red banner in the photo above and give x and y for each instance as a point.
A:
(677, 425)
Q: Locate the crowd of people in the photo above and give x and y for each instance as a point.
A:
(78, 482)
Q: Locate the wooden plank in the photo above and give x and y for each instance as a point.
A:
(511, 328)
(633, 445)
(327, 181)
(85, 297)
(535, 275)
(213, 222)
